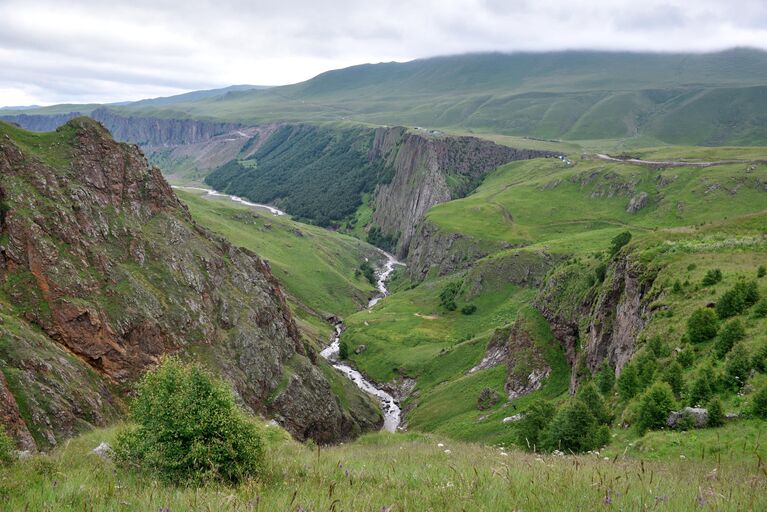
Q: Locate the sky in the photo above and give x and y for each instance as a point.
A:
(80, 51)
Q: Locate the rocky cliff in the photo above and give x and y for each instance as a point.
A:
(430, 169)
(39, 123)
(103, 271)
(597, 322)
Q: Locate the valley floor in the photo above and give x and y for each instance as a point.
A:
(405, 472)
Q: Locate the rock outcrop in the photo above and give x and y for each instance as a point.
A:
(99, 256)
(429, 170)
(603, 320)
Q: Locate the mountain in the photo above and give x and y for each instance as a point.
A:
(712, 99)
(103, 271)
(648, 98)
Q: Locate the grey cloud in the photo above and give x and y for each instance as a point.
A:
(90, 50)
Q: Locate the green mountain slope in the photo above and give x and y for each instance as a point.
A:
(571, 95)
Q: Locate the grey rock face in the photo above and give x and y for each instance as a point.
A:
(699, 417)
(422, 166)
(637, 202)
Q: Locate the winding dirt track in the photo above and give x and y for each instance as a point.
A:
(673, 163)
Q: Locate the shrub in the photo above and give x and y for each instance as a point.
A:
(759, 361)
(469, 309)
(685, 357)
(573, 428)
(654, 407)
(677, 289)
(600, 272)
(7, 448)
(702, 325)
(712, 277)
(366, 270)
(732, 332)
(658, 347)
(715, 413)
(759, 403)
(448, 294)
(617, 243)
(737, 299)
(188, 428)
(343, 350)
(700, 392)
(536, 420)
(605, 378)
(761, 271)
(760, 310)
(589, 395)
(673, 376)
(646, 368)
(738, 366)
(628, 382)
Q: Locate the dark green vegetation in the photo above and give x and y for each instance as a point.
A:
(312, 172)
(188, 428)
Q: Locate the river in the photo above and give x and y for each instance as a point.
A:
(389, 405)
(213, 193)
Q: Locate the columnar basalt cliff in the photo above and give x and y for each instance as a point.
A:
(103, 271)
(430, 170)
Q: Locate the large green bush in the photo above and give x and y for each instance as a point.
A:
(738, 366)
(700, 391)
(588, 394)
(188, 428)
(732, 332)
(712, 277)
(575, 429)
(654, 407)
(702, 325)
(628, 382)
(674, 377)
(737, 299)
(536, 420)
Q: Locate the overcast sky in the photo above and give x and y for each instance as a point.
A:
(100, 50)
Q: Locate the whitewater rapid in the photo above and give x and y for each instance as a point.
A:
(389, 405)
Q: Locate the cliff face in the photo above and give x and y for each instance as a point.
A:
(149, 131)
(599, 323)
(103, 271)
(35, 123)
(430, 170)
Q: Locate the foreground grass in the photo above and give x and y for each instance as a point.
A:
(391, 472)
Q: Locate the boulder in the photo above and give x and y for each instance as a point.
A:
(488, 397)
(699, 417)
(637, 202)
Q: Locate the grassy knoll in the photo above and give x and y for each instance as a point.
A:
(402, 472)
(316, 266)
(579, 208)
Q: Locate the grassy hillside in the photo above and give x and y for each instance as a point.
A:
(712, 99)
(408, 472)
(317, 267)
(579, 208)
(685, 222)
